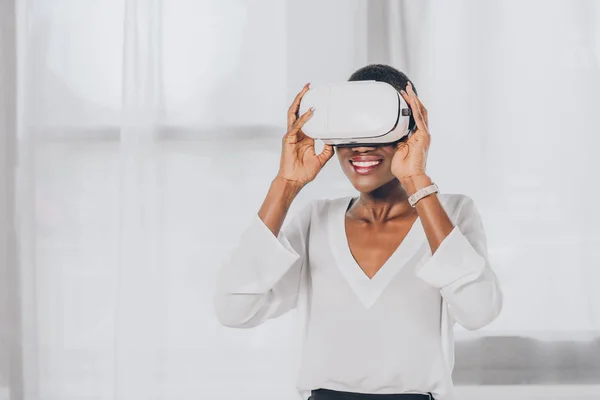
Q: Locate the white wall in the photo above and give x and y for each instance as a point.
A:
(229, 75)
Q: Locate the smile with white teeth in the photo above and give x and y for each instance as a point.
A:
(365, 163)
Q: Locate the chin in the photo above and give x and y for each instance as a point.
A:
(368, 184)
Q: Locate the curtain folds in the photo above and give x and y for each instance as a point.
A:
(138, 137)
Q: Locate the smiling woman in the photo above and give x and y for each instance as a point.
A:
(139, 137)
(417, 266)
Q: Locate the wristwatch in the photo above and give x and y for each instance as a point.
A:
(419, 194)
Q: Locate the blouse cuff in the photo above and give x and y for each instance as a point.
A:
(262, 259)
(455, 260)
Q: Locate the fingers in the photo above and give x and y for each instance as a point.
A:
(421, 106)
(295, 134)
(293, 110)
(303, 119)
(325, 154)
(419, 111)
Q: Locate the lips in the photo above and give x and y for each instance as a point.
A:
(366, 158)
(364, 165)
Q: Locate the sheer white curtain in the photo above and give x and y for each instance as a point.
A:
(140, 136)
(512, 88)
(148, 132)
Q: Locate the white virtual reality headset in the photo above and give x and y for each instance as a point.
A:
(356, 113)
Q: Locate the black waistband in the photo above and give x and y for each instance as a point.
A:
(327, 394)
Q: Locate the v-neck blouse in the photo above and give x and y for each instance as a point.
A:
(369, 289)
(388, 334)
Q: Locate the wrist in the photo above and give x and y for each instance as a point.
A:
(414, 183)
(287, 186)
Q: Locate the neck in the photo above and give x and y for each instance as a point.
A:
(385, 203)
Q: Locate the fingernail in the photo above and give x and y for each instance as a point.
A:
(312, 109)
(307, 85)
(403, 92)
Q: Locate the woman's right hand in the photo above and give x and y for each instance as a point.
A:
(299, 163)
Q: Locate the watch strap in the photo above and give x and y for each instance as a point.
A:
(424, 192)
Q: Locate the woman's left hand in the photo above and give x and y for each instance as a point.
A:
(410, 159)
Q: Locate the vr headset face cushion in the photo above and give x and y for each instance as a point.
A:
(356, 113)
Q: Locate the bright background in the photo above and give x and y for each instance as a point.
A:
(141, 136)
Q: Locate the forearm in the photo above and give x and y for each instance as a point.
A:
(460, 268)
(277, 203)
(435, 220)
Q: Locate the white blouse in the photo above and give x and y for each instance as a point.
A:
(388, 334)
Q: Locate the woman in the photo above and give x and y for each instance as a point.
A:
(377, 282)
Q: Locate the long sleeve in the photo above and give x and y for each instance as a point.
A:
(460, 269)
(260, 278)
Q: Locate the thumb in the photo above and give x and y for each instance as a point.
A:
(326, 154)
